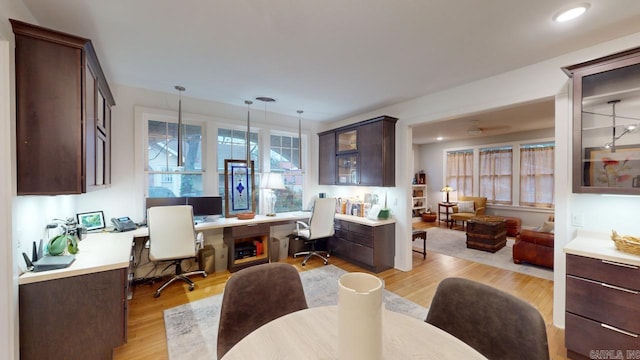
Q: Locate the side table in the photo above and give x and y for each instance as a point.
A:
(448, 210)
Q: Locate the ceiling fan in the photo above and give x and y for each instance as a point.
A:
(475, 129)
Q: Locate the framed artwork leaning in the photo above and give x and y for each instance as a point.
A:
(606, 169)
(239, 187)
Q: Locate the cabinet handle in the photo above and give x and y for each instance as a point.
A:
(619, 330)
(619, 264)
(619, 288)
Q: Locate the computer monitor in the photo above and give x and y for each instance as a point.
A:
(204, 206)
(165, 201)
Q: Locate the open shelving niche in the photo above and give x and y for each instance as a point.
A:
(419, 201)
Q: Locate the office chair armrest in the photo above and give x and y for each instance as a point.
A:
(300, 223)
(199, 241)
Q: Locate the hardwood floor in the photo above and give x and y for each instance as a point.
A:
(147, 338)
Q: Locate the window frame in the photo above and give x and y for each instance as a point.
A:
(516, 144)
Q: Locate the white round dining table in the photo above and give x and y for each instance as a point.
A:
(313, 334)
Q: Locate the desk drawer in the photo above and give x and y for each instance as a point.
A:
(605, 303)
(623, 275)
(585, 336)
(249, 230)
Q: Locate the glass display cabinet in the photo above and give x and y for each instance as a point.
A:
(606, 124)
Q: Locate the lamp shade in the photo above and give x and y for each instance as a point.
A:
(447, 189)
(272, 181)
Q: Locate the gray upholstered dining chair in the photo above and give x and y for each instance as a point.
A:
(254, 296)
(496, 324)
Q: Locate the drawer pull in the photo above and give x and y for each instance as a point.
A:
(619, 264)
(619, 330)
(619, 288)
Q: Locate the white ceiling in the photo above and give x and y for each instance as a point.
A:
(331, 58)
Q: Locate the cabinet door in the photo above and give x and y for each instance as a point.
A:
(377, 153)
(48, 135)
(92, 146)
(347, 169)
(327, 159)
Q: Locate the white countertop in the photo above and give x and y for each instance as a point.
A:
(97, 252)
(108, 251)
(364, 220)
(599, 246)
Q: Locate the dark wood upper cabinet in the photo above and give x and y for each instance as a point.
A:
(606, 124)
(361, 154)
(63, 113)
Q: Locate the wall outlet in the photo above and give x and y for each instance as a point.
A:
(577, 220)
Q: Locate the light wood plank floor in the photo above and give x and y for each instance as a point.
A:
(146, 325)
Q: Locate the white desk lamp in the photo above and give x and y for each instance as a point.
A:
(272, 181)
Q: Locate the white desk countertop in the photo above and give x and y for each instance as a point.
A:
(599, 246)
(97, 252)
(108, 251)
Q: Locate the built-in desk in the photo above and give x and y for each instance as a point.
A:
(79, 312)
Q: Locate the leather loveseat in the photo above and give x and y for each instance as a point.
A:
(534, 247)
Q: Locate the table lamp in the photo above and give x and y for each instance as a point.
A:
(272, 181)
(447, 189)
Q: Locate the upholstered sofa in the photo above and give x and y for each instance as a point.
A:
(534, 247)
(461, 214)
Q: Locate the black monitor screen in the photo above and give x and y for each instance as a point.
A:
(165, 201)
(205, 205)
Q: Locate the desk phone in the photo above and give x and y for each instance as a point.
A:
(123, 224)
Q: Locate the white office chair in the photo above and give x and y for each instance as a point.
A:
(172, 236)
(320, 226)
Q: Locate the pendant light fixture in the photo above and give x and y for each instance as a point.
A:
(248, 135)
(265, 100)
(300, 140)
(180, 90)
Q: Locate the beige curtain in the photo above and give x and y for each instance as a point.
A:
(460, 172)
(536, 176)
(496, 174)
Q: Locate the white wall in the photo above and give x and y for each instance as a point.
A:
(9, 348)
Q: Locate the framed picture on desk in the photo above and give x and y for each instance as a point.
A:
(91, 220)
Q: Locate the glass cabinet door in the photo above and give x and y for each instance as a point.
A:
(347, 170)
(606, 136)
(347, 140)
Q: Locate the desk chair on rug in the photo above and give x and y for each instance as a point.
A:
(320, 226)
(496, 324)
(253, 297)
(173, 237)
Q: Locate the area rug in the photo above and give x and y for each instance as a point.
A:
(192, 328)
(453, 243)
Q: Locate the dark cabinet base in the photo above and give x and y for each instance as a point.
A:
(371, 247)
(80, 317)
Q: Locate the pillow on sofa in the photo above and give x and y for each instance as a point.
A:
(547, 227)
(466, 206)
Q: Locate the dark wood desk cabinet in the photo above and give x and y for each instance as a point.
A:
(79, 317)
(602, 308)
(372, 247)
(63, 113)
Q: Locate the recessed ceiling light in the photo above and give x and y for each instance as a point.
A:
(571, 13)
(439, 138)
